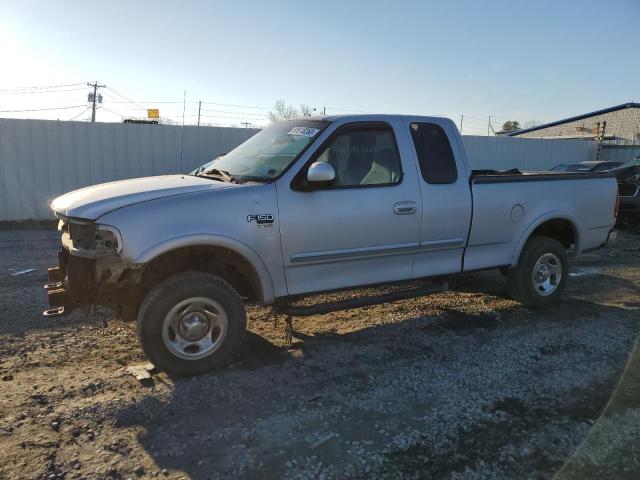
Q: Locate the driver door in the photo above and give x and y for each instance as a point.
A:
(364, 227)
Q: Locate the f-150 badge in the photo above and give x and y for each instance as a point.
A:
(261, 219)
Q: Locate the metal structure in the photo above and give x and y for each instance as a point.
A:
(531, 154)
(40, 159)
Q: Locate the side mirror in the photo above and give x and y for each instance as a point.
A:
(321, 172)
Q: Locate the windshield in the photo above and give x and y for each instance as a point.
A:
(268, 153)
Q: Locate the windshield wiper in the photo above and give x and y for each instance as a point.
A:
(219, 175)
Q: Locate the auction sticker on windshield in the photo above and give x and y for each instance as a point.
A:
(303, 131)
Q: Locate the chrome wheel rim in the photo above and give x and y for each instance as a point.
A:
(547, 274)
(195, 328)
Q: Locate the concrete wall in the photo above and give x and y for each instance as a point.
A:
(40, 159)
(622, 124)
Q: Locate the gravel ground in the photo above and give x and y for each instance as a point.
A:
(463, 384)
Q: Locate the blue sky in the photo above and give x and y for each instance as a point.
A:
(524, 60)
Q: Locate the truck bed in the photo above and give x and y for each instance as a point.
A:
(508, 206)
(515, 175)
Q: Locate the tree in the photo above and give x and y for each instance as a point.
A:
(531, 124)
(283, 111)
(306, 110)
(511, 126)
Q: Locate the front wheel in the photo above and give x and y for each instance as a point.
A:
(191, 323)
(541, 273)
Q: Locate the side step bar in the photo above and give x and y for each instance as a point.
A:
(436, 286)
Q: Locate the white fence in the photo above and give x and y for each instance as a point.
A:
(503, 153)
(40, 159)
(620, 153)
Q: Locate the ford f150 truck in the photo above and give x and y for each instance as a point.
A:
(313, 205)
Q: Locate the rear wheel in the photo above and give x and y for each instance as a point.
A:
(191, 323)
(541, 273)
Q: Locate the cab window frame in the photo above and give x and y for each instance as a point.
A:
(425, 166)
(300, 183)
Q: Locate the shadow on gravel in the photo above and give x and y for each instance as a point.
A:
(492, 283)
(209, 424)
(19, 318)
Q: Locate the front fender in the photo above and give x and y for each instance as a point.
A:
(213, 240)
(555, 215)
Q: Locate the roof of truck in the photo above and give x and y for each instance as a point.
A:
(330, 118)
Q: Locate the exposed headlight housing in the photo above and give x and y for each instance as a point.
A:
(88, 239)
(108, 239)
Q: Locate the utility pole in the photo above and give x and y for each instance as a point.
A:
(246, 124)
(461, 119)
(94, 97)
(324, 110)
(199, 107)
(599, 137)
(489, 126)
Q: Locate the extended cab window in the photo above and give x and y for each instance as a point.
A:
(363, 156)
(435, 156)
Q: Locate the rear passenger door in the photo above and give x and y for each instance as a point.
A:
(446, 198)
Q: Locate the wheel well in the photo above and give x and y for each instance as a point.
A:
(227, 264)
(559, 229)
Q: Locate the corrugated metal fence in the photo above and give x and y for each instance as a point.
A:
(620, 153)
(40, 159)
(502, 153)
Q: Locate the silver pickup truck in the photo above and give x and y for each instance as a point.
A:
(312, 205)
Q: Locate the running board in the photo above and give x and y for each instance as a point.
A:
(437, 286)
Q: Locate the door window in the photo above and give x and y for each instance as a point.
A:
(435, 156)
(363, 157)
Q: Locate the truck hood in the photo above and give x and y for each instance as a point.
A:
(92, 202)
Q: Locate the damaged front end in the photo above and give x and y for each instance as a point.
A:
(90, 269)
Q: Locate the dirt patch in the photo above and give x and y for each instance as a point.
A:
(462, 384)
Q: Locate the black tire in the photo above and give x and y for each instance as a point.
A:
(520, 278)
(165, 297)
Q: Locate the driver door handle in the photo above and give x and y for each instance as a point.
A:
(405, 208)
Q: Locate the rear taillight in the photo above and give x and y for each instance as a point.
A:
(616, 209)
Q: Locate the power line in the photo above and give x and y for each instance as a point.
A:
(79, 115)
(212, 116)
(41, 109)
(125, 98)
(31, 92)
(237, 106)
(102, 107)
(40, 87)
(240, 113)
(153, 102)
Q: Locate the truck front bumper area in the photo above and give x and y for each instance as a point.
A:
(78, 282)
(70, 284)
